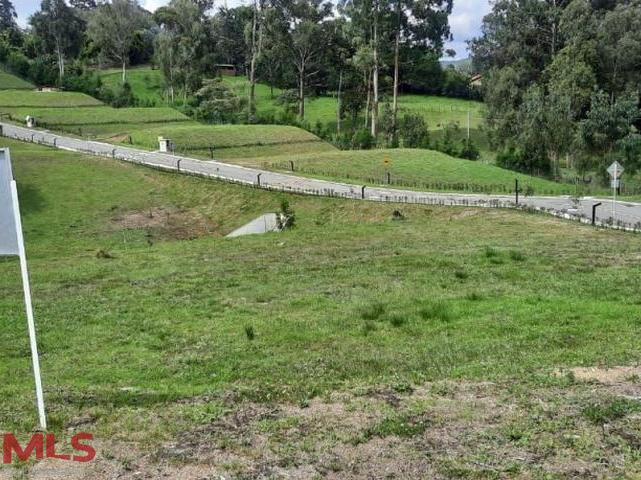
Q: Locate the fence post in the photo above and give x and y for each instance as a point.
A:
(291, 163)
(389, 178)
(516, 189)
(594, 207)
(211, 151)
(258, 179)
(363, 192)
(178, 164)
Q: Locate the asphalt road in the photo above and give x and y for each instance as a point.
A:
(628, 214)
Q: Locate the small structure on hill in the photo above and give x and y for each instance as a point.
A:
(225, 69)
(477, 80)
(165, 145)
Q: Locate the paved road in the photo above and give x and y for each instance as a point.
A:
(628, 214)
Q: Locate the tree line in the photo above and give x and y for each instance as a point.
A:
(355, 50)
(562, 80)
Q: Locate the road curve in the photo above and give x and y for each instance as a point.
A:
(627, 216)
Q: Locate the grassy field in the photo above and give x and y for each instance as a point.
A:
(423, 169)
(231, 141)
(147, 84)
(352, 346)
(21, 98)
(11, 82)
(437, 111)
(99, 115)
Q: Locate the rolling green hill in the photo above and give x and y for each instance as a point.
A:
(12, 82)
(20, 98)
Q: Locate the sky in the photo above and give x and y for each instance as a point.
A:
(465, 21)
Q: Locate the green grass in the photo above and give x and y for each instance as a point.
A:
(422, 169)
(99, 115)
(20, 98)
(12, 82)
(165, 317)
(155, 327)
(147, 84)
(232, 141)
(437, 111)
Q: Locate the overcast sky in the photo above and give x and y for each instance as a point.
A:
(465, 20)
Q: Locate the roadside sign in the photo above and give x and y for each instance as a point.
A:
(615, 183)
(615, 170)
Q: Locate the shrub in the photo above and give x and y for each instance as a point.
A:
(288, 99)
(217, 103)
(249, 332)
(468, 150)
(413, 131)
(363, 140)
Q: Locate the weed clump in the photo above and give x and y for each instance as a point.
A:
(373, 311)
(436, 311)
(249, 332)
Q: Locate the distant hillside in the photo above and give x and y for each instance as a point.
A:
(464, 64)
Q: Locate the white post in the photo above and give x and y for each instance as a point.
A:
(614, 192)
(27, 301)
(468, 125)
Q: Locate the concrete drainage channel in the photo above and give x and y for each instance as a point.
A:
(628, 214)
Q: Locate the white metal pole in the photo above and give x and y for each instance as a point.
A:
(27, 301)
(468, 125)
(614, 193)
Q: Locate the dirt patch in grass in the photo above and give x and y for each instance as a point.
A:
(443, 430)
(168, 223)
(608, 376)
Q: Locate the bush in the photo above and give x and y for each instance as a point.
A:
(363, 140)
(89, 83)
(217, 103)
(18, 64)
(44, 70)
(468, 150)
(288, 99)
(413, 131)
(123, 97)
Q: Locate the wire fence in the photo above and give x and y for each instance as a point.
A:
(281, 182)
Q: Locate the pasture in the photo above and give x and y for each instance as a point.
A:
(11, 82)
(358, 338)
(44, 99)
(413, 168)
(233, 141)
(89, 116)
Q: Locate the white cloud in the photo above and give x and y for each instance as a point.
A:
(465, 23)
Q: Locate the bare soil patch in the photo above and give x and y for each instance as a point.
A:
(167, 223)
(444, 430)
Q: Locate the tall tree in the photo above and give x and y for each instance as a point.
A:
(298, 26)
(184, 44)
(113, 29)
(7, 16)
(60, 29)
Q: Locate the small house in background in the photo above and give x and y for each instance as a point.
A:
(225, 69)
(476, 80)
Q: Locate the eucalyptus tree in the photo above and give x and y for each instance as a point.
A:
(113, 27)
(60, 30)
(300, 28)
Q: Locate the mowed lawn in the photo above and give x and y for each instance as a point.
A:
(232, 141)
(22, 98)
(154, 329)
(11, 82)
(414, 168)
(99, 115)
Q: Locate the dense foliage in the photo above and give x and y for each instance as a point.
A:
(562, 83)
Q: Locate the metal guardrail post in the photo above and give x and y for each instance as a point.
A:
(594, 207)
(258, 179)
(363, 192)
